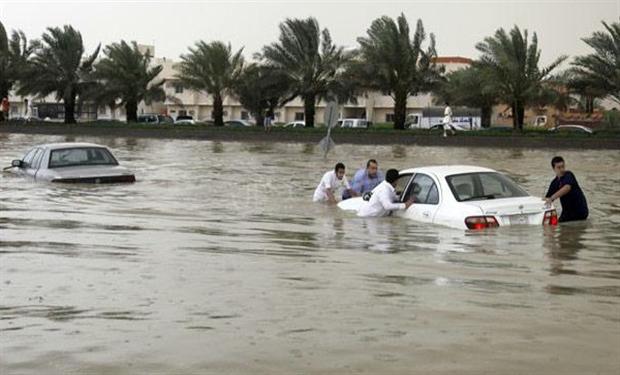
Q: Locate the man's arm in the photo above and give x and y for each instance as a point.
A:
(559, 194)
(388, 205)
(331, 198)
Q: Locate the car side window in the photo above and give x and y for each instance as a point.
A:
(36, 160)
(423, 190)
(29, 156)
(401, 184)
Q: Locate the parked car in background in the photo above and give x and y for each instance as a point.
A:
(353, 123)
(155, 119)
(184, 120)
(579, 129)
(295, 124)
(71, 163)
(238, 123)
(465, 197)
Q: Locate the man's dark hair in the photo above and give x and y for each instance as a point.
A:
(391, 175)
(556, 160)
(370, 162)
(338, 166)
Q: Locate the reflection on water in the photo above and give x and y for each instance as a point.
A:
(216, 261)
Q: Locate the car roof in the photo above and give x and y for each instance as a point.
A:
(447, 170)
(57, 146)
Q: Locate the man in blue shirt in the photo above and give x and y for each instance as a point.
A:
(566, 187)
(365, 179)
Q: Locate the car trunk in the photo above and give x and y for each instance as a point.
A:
(93, 174)
(524, 210)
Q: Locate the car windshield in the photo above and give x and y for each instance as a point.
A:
(82, 156)
(184, 118)
(483, 185)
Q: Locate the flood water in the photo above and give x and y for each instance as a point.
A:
(217, 261)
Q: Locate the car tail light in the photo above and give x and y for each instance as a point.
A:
(481, 222)
(551, 218)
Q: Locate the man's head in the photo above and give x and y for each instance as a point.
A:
(339, 169)
(391, 176)
(372, 167)
(557, 163)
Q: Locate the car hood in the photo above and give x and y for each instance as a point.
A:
(510, 206)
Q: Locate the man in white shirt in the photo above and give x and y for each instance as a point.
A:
(384, 199)
(447, 120)
(331, 182)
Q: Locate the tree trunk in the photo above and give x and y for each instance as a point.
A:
(515, 123)
(131, 111)
(520, 115)
(485, 113)
(218, 110)
(69, 104)
(309, 110)
(260, 119)
(400, 110)
(589, 104)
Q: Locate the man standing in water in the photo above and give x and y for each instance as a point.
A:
(331, 183)
(384, 199)
(365, 179)
(566, 187)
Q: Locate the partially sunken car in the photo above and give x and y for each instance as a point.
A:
(465, 197)
(71, 163)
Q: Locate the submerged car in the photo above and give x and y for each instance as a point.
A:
(465, 197)
(71, 163)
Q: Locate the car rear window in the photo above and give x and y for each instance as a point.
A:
(483, 185)
(83, 156)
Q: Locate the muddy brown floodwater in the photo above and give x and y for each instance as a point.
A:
(216, 261)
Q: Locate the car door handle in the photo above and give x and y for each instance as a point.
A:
(426, 214)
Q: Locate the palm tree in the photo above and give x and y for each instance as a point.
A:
(512, 61)
(214, 69)
(470, 87)
(58, 66)
(598, 74)
(310, 61)
(126, 75)
(391, 61)
(14, 53)
(261, 90)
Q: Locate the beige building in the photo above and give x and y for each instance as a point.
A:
(373, 106)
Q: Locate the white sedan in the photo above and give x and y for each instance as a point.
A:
(465, 197)
(71, 163)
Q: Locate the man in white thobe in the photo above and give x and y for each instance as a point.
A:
(384, 199)
(332, 184)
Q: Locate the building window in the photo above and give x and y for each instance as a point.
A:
(389, 117)
(178, 88)
(182, 112)
(299, 116)
(245, 115)
(102, 110)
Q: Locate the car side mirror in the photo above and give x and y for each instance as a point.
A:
(17, 163)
